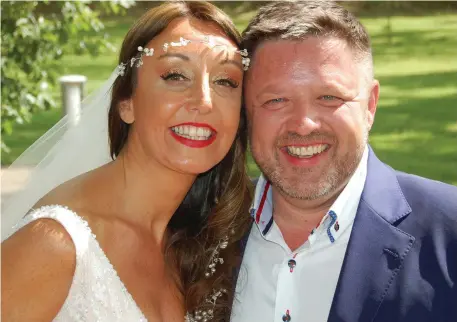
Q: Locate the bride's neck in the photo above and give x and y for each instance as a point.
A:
(149, 193)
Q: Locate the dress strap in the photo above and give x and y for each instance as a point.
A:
(76, 227)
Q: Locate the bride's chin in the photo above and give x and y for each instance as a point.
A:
(193, 168)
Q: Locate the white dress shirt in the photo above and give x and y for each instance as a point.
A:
(277, 284)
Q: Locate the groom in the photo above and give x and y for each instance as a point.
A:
(338, 235)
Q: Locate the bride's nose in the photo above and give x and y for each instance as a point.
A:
(202, 100)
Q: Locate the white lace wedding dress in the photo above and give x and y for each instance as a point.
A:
(96, 293)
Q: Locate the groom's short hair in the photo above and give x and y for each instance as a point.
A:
(297, 20)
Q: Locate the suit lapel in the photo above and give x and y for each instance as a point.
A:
(376, 249)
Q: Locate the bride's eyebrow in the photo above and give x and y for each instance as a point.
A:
(233, 62)
(176, 55)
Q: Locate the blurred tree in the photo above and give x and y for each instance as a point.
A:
(399, 8)
(35, 35)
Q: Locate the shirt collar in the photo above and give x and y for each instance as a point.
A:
(337, 219)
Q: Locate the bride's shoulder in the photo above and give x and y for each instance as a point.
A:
(41, 230)
(72, 199)
(42, 236)
(70, 193)
(39, 257)
(49, 234)
(80, 194)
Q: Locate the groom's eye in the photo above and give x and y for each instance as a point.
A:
(276, 101)
(329, 97)
(330, 100)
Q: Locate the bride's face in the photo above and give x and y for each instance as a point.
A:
(185, 108)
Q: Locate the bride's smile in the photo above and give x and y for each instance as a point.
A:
(153, 234)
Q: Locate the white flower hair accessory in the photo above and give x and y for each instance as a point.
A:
(137, 61)
(201, 315)
(206, 315)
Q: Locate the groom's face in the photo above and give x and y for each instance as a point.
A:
(310, 107)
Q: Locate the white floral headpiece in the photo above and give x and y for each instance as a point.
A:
(137, 61)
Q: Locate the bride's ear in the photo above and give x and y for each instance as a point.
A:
(126, 111)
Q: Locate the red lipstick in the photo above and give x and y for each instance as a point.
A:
(194, 143)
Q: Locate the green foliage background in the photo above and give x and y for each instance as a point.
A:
(415, 56)
(35, 36)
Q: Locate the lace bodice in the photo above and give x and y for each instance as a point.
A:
(96, 293)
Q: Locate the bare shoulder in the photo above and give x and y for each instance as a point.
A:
(38, 264)
(69, 193)
(38, 261)
(79, 193)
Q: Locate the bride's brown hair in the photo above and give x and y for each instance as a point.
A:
(218, 202)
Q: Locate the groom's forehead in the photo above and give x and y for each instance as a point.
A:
(280, 67)
(324, 48)
(277, 58)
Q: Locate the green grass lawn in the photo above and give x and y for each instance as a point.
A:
(416, 123)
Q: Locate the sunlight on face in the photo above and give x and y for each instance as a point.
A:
(186, 106)
(309, 114)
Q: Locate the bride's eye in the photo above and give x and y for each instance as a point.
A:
(174, 77)
(228, 82)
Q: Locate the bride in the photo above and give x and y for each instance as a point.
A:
(152, 234)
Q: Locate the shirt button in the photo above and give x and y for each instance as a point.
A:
(292, 263)
(337, 226)
(286, 317)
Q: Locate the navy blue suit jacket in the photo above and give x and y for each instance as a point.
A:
(401, 260)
